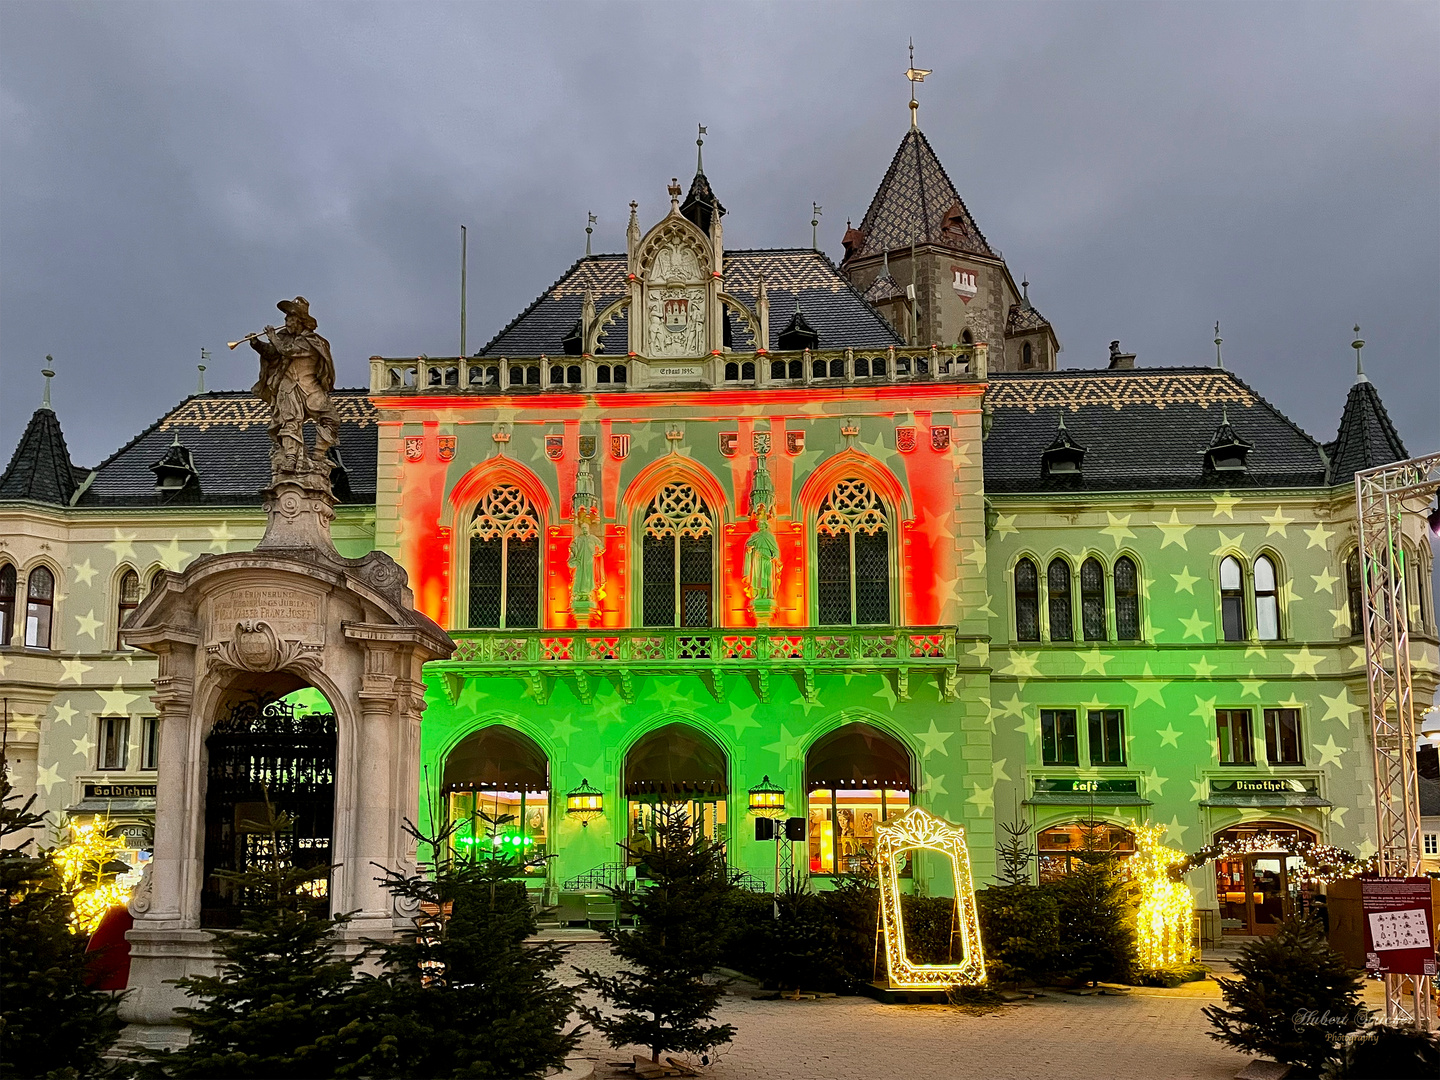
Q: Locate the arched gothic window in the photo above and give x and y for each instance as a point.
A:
(852, 564)
(156, 580)
(1127, 600)
(39, 607)
(1026, 355)
(505, 560)
(128, 599)
(1267, 600)
(1061, 614)
(1092, 599)
(1232, 599)
(1354, 595)
(1027, 601)
(677, 559)
(7, 603)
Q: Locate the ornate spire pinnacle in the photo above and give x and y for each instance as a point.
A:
(700, 149)
(49, 372)
(815, 209)
(1025, 296)
(1219, 363)
(200, 367)
(674, 190)
(915, 75)
(1357, 345)
(591, 219)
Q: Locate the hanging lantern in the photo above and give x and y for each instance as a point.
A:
(584, 803)
(767, 800)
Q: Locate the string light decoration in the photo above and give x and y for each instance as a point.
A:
(1319, 862)
(1166, 909)
(911, 831)
(84, 860)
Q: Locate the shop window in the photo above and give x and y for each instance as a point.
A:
(1057, 578)
(1255, 890)
(150, 743)
(1127, 600)
(1282, 737)
(674, 768)
(677, 561)
(1027, 602)
(1267, 600)
(856, 777)
(39, 607)
(1354, 594)
(852, 549)
(128, 600)
(1107, 736)
(1092, 599)
(1232, 727)
(505, 560)
(1064, 847)
(497, 790)
(114, 742)
(7, 604)
(1059, 737)
(1232, 599)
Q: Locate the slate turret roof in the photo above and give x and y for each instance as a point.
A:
(40, 469)
(1366, 438)
(837, 311)
(1143, 430)
(916, 203)
(1023, 317)
(229, 447)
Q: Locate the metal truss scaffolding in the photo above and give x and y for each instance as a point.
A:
(1383, 497)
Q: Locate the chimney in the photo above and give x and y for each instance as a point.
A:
(1119, 359)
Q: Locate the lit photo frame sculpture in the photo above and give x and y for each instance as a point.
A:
(917, 830)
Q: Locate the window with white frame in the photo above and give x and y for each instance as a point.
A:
(114, 749)
(150, 743)
(39, 607)
(1267, 599)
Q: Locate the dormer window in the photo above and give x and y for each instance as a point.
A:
(1064, 456)
(175, 472)
(572, 342)
(798, 334)
(1227, 451)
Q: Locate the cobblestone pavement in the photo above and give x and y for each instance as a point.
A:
(1144, 1035)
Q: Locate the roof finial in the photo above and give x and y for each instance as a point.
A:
(815, 209)
(1219, 363)
(49, 372)
(700, 150)
(1025, 285)
(674, 194)
(915, 75)
(1357, 345)
(1062, 419)
(204, 355)
(590, 221)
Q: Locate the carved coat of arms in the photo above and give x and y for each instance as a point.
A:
(905, 439)
(728, 441)
(555, 447)
(940, 438)
(760, 442)
(587, 446)
(445, 447)
(794, 442)
(414, 447)
(619, 447)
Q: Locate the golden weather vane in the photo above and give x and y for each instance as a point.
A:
(915, 75)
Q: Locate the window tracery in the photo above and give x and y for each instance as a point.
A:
(852, 556)
(677, 559)
(505, 560)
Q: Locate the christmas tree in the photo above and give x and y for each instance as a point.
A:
(279, 999)
(1294, 1000)
(465, 994)
(53, 1025)
(663, 998)
(1097, 933)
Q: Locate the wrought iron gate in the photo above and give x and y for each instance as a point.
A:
(261, 750)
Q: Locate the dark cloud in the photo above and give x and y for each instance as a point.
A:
(168, 171)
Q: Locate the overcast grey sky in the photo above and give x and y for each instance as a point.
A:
(168, 171)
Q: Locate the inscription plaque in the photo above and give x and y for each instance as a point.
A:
(291, 614)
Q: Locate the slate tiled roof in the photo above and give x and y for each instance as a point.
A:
(917, 203)
(1023, 317)
(225, 432)
(40, 469)
(883, 288)
(830, 303)
(1143, 429)
(1366, 439)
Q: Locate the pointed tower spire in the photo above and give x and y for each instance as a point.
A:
(49, 372)
(200, 367)
(700, 149)
(915, 75)
(1357, 345)
(1219, 363)
(590, 220)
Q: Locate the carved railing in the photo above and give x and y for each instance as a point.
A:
(587, 657)
(532, 374)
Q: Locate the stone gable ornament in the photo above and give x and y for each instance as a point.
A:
(254, 646)
(414, 447)
(554, 447)
(905, 439)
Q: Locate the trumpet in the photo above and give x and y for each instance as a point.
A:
(248, 337)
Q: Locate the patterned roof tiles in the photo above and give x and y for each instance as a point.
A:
(1023, 317)
(40, 469)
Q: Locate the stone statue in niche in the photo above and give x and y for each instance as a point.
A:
(762, 564)
(297, 375)
(585, 547)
